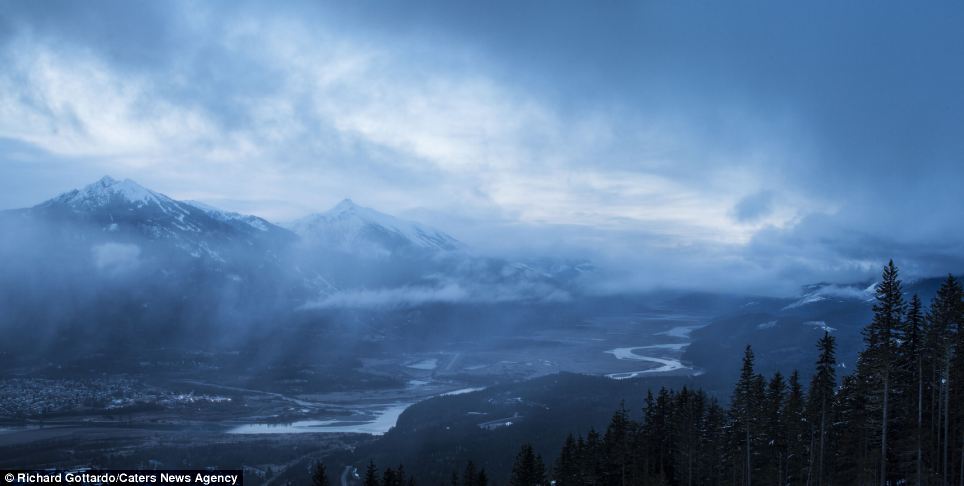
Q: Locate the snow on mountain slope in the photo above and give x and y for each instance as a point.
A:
(231, 217)
(361, 248)
(820, 292)
(347, 247)
(352, 228)
(126, 209)
(108, 192)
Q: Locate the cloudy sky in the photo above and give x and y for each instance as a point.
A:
(754, 145)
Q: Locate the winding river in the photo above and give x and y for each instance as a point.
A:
(665, 364)
(666, 356)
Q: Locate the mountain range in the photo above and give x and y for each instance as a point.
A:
(116, 250)
(153, 267)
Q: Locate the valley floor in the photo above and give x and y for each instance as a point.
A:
(159, 420)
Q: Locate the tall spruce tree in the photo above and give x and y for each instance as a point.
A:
(371, 474)
(878, 358)
(566, 471)
(796, 431)
(390, 478)
(528, 469)
(712, 465)
(592, 458)
(910, 392)
(943, 321)
(853, 463)
(955, 394)
(319, 475)
(616, 442)
(775, 434)
(470, 477)
(744, 417)
(819, 408)
(666, 437)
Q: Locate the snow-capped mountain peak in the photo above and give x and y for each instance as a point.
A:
(110, 191)
(125, 209)
(351, 227)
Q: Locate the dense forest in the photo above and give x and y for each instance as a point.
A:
(895, 419)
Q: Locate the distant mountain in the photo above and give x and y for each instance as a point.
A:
(116, 262)
(114, 250)
(113, 259)
(362, 231)
(356, 247)
(126, 209)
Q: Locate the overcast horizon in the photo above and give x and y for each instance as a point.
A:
(749, 147)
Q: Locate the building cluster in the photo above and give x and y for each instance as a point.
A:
(35, 397)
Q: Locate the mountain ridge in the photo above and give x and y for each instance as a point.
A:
(348, 224)
(349, 246)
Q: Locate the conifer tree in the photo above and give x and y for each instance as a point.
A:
(470, 477)
(528, 469)
(796, 431)
(592, 458)
(852, 461)
(955, 396)
(616, 443)
(371, 474)
(743, 417)
(665, 440)
(319, 475)
(657, 437)
(390, 478)
(822, 388)
(943, 321)
(688, 429)
(566, 472)
(911, 391)
(775, 439)
(647, 438)
(878, 358)
(713, 444)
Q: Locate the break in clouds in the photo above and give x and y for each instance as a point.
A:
(819, 146)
